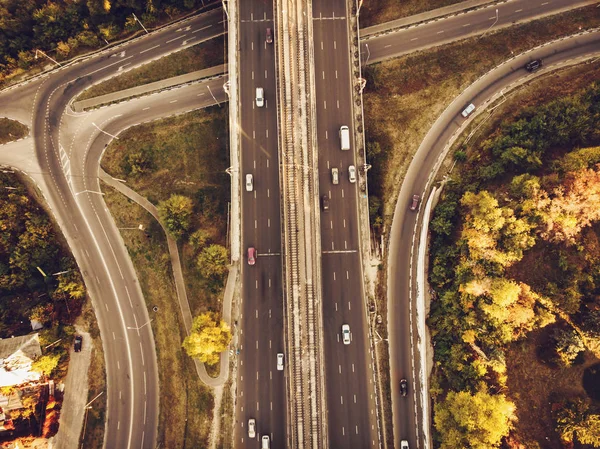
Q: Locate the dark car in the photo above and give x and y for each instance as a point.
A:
(403, 387)
(251, 256)
(269, 36)
(325, 202)
(534, 65)
(415, 202)
(78, 343)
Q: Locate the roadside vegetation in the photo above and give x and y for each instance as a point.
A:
(515, 259)
(39, 281)
(178, 164)
(402, 99)
(374, 12)
(198, 57)
(11, 130)
(64, 29)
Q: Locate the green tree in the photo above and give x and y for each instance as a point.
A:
(473, 421)
(568, 345)
(208, 338)
(176, 214)
(46, 364)
(199, 239)
(213, 262)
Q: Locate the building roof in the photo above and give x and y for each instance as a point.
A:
(16, 356)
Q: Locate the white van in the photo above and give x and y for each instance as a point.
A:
(265, 442)
(345, 138)
(260, 97)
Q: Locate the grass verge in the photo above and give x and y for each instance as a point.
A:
(374, 12)
(201, 56)
(11, 130)
(93, 434)
(180, 389)
(185, 155)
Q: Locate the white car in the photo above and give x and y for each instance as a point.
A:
(265, 442)
(403, 444)
(280, 362)
(251, 428)
(249, 183)
(468, 110)
(260, 97)
(346, 334)
(352, 173)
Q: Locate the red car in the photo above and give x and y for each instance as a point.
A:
(251, 256)
(415, 202)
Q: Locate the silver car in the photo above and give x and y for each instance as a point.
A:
(346, 334)
(335, 176)
(249, 183)
(251, 428)
(352, 173)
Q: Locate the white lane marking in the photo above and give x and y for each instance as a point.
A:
(518, 10)
(466, 25)
(148, 49)
(440, 32)
(387, 46)
(414, 39)
(176, 38)
(200, 29)
(545, 3)
(106, 66)
(173, 101)
(145, 109)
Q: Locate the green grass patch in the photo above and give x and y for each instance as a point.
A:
(405, 96)
(11, 130)
(374, 12)
(201, 56)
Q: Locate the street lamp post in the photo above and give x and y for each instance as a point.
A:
(40, 51)
(495, 21)
(143, 325)
(138, 21)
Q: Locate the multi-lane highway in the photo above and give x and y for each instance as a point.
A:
(352, 416)
(260, 386)
(67, 174)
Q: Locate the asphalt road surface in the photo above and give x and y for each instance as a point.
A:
(349, 368)
(260, 386)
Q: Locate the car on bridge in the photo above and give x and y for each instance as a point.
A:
(415, 202)
(346, 334)
(280, 361)
(249, 183)
(534, 65)
(335, 176)
(325, 202)
(251, 428)
(260, 97)
(468, 110)
(265, 442)
(352, 173)
(251, 256)
(404, 444)
(403, 387)
(269, 38)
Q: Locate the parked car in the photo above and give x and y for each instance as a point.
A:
(534, 65)
(403, 387)
(251, 256)
(249, 183)
(352, 173)
(415, 202)
(468, 110)
(280, 361)
(269, 36)
(325, 202)
(78, 343)
(346, 334)
(251, 428)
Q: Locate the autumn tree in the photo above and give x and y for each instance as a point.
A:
(568, 344)
(46, 364)
(571, 207)
(176, 214)
(208, 338)
(474, 421)
(575, 422)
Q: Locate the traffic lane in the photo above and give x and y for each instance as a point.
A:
(329, 8)
(348, 367)
(444, 31)
(339, 228)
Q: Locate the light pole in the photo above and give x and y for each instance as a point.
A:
(87, 407)
(138, 21)
(495, 21)
(40, 51)
(368, 54)
(143, 325)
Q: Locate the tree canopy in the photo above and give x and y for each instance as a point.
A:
(208, 338)
(176, 213)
